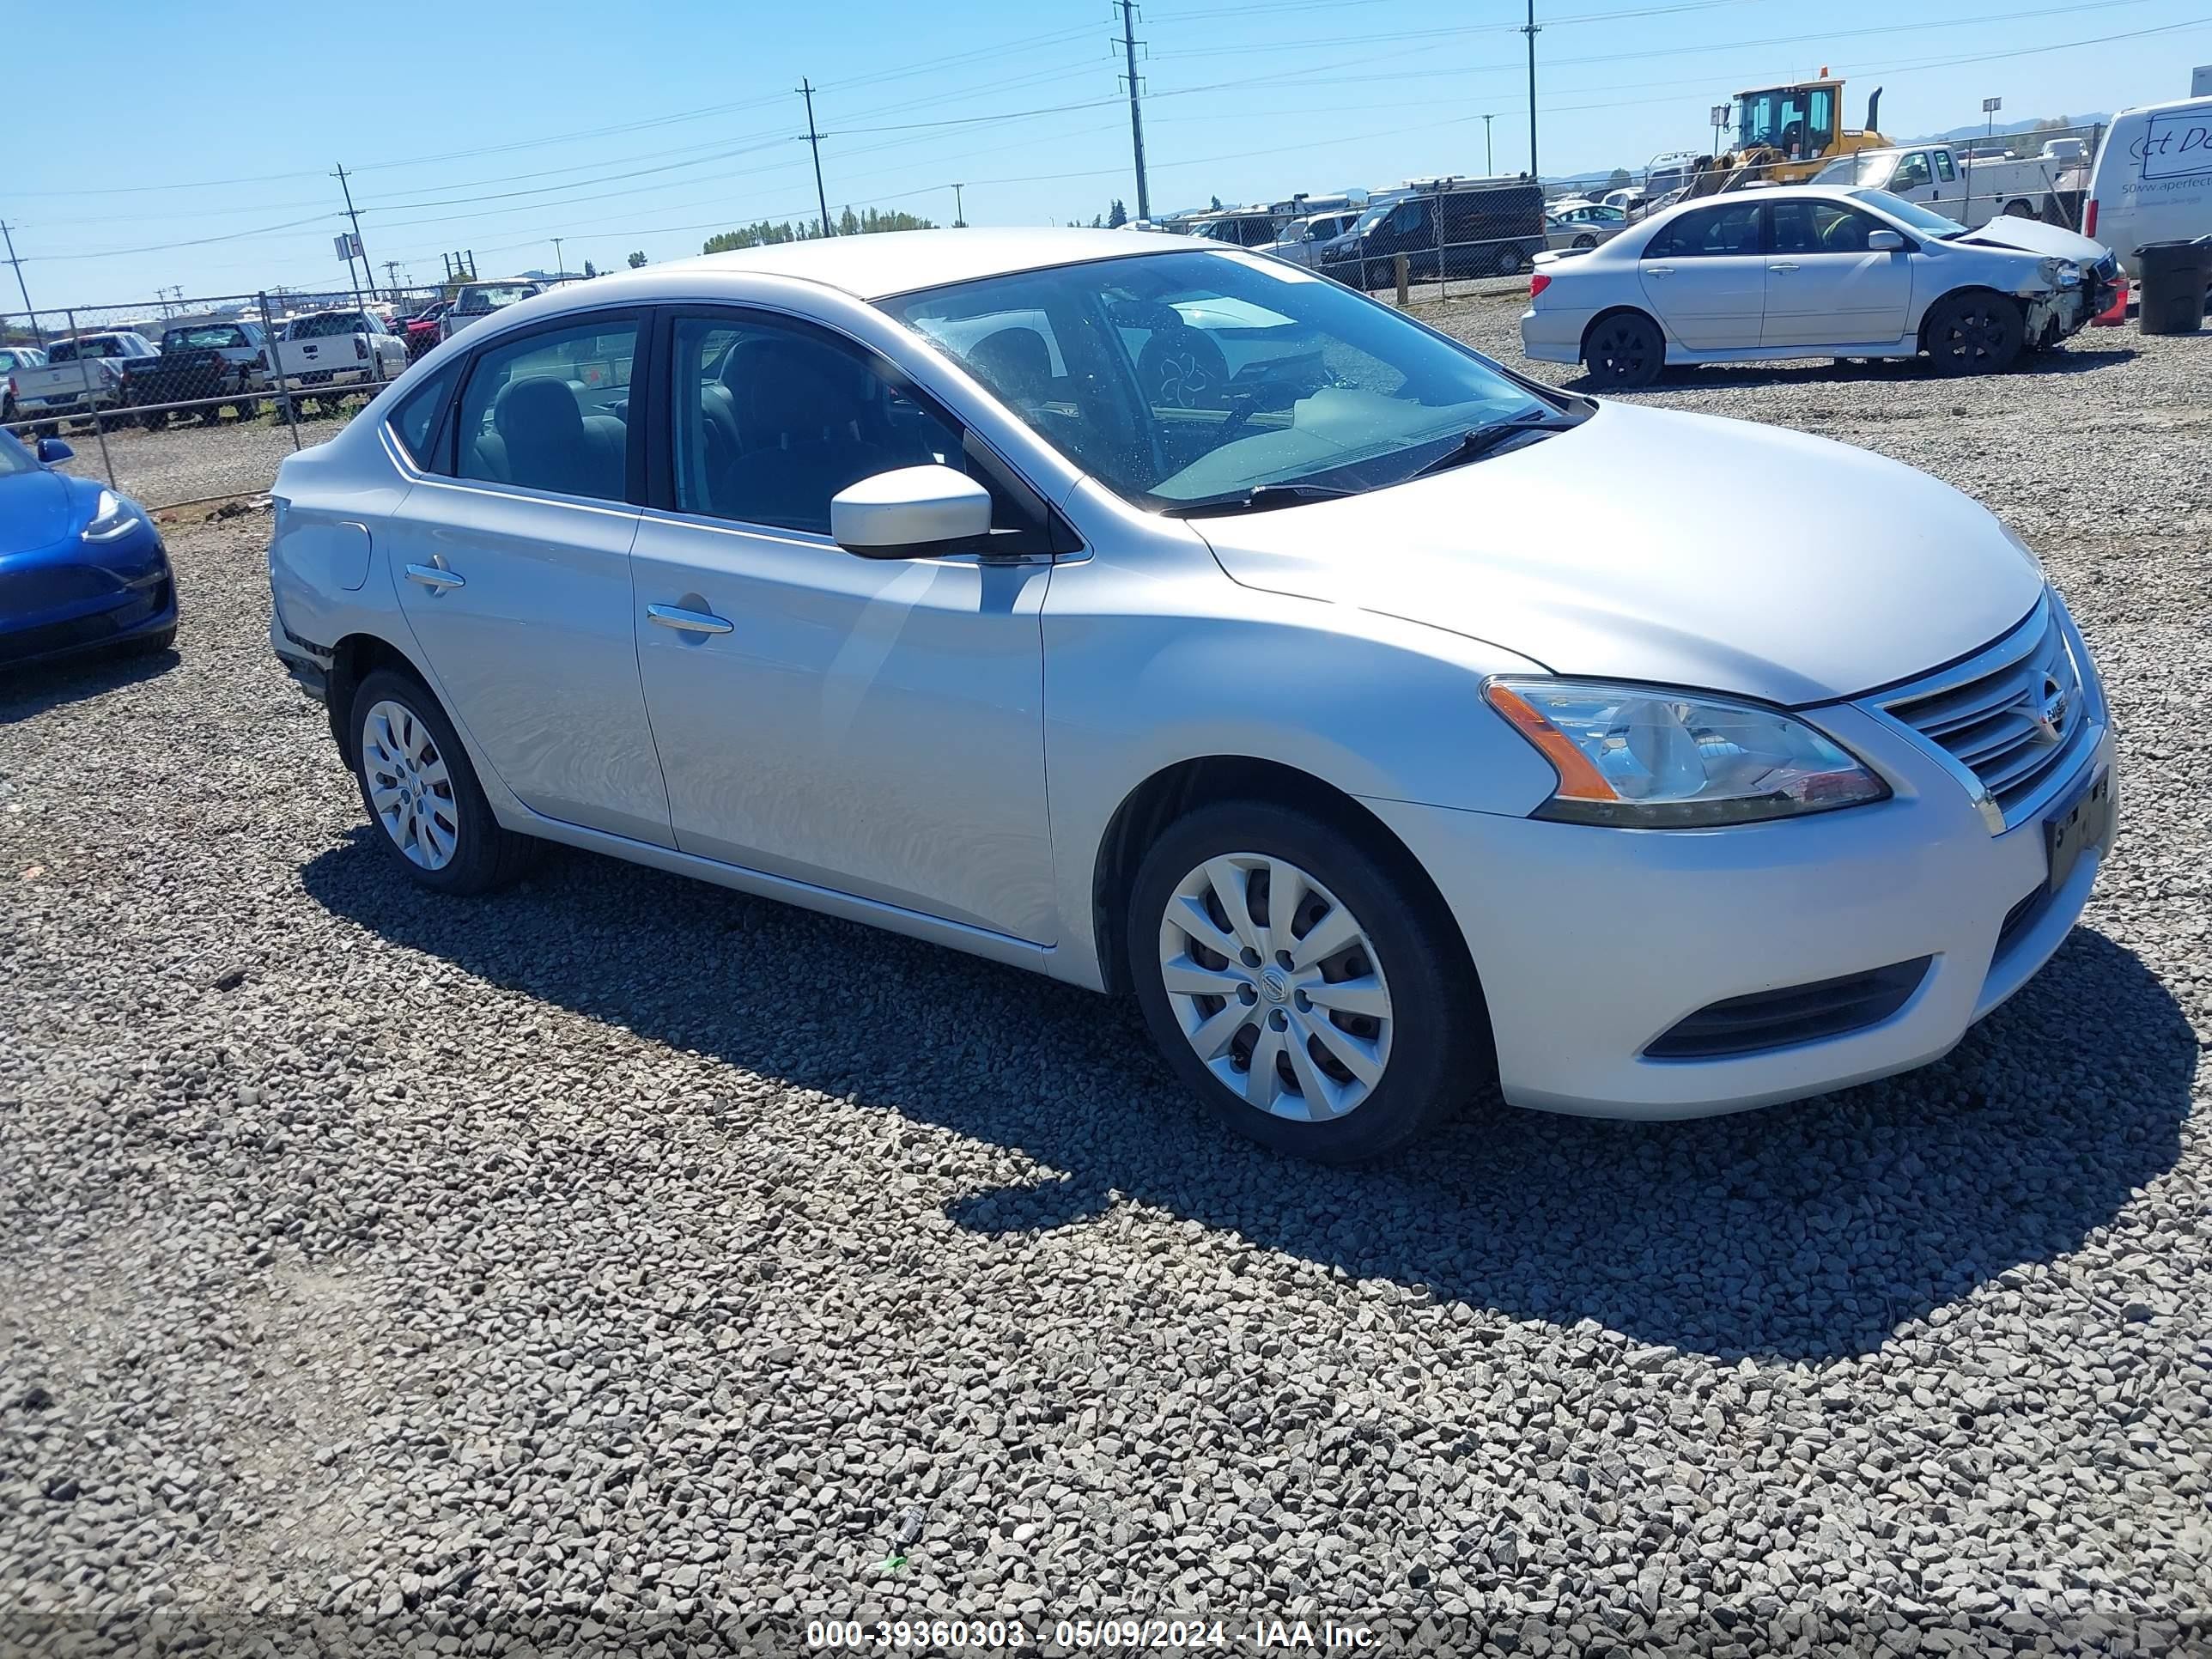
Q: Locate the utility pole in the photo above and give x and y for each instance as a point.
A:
(1136, 112)
(1489, 154)
(559, 265)
(814, 142)
(8, 236)
(1532, 31)
(356, 217)
(391, 275)
(959, 217)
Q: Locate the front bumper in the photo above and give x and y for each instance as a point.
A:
(1592, 943)
(109, 613)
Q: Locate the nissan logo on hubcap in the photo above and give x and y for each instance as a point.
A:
(1274, 987)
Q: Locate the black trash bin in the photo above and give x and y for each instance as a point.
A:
(2175, 277)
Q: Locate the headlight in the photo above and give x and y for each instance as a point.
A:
(2061, 273)
(1646, 757)
(112, 515)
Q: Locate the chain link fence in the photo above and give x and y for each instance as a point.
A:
(182, 401)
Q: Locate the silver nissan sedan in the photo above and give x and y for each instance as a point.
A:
(877, 575)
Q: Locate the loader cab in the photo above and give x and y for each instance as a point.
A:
(1799, 121)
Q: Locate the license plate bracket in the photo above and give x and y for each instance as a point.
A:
(2082, 820)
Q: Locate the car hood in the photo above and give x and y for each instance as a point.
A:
(2034, 236)
(38, 509)
(1697, 552)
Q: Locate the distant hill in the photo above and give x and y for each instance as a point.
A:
(2005, 129)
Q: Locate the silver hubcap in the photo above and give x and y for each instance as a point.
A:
(1274, 981)
(409, 787)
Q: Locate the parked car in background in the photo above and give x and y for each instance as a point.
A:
(1583, 226)
(323, 351)
(420, 331)
(1808, 271)
(11, 359)
(1625, 819)
(1938, 177)
(1301, 240)
(194, 361)
(80, 567)
(477, 301)
(2152, 178)
(1240, 226)
(1450, 228)
(81, 379)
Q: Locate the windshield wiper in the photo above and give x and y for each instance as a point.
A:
(1258, 499)
(1479, 441)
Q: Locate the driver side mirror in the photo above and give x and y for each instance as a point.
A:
(52, 452)
(910, 512)
(1884, 241)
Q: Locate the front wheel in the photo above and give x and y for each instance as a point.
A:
(422, 794)
(1294, 981)
(153, 419)
(1974, 334)
(1624, 351)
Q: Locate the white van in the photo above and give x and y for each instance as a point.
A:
(2152, 181)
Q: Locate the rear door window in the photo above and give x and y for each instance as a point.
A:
(1708, 234)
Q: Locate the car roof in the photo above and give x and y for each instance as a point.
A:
(874, 267)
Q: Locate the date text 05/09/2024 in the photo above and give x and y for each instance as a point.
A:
(991, 1636)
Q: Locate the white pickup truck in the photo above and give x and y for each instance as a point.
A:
(1940, 178)
(81, 379)
(322, 350)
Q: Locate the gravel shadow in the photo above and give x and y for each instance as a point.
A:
(1714, 377)
(28, 691)
(1803, 1233)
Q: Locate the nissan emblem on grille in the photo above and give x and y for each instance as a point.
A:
(2049, 712)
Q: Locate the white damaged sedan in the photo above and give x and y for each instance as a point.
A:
(875, 574)
(1810, 271)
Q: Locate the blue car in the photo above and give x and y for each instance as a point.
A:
(80, 567)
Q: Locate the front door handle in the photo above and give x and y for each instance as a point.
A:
(1658, 271)
(687, 622)
(432, 577)
(1784, 266)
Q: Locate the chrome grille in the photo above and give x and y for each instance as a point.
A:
(2014, 715)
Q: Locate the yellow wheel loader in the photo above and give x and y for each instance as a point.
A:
(1784, 135)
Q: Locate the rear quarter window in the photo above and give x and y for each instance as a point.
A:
(416, 422)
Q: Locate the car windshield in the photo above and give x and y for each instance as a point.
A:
(1869, 167)
(491, 299)
(1912, 213)
(1183, 378)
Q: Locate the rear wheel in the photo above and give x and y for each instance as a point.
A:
(1297, 985)
(422, 794)
(153, 419)
(1624, 351)
(1585, 240)
(2018, 210)
(1973, 334)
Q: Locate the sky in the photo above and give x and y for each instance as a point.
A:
(649, 127)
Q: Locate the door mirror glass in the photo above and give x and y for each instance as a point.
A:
(910, 512)
(52, 452)
(1885, 241)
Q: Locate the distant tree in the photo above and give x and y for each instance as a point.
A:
(1214, 202)
(764, 234)
(1116, 216)
(1620, 179)
(590, 270)
(637, 259)
(1097, 223)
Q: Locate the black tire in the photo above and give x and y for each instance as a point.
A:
(46, 429)
(1624, 351)
(153, 419)
(212, 415)
(485, 856)
(1973, 334)
(2017, 209)
(246, 408)
(1439, 1048)
(1181, 368)
(1584, 241)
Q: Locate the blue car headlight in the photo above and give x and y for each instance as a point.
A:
(113, 516)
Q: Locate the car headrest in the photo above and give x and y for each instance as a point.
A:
(1016, 360)
(798, 387)
(538, 409)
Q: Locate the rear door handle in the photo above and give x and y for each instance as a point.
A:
(437, 580)
(687, 622)
(1783, 265)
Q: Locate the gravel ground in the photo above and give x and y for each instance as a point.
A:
(189, 461)
(625, 1262)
